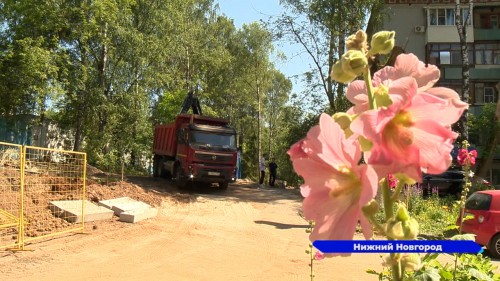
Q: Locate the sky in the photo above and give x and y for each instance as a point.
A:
(248, 11)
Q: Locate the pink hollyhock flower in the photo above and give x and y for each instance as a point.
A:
(467, 157)
(319, 256)
(335, 186)
(406, 66)
(410, 135)
(392, 180)
(393, 90)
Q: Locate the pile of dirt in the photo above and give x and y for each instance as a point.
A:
(96, 192)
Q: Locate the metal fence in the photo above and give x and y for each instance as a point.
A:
(42, 193)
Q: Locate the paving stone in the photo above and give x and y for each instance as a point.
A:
(71, 210)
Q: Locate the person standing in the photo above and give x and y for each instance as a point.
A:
(238, 163)
(262, 167)
(272, 172)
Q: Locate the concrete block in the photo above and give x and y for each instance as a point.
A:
(137, 215)
(71, 211)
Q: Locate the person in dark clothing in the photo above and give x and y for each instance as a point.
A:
(272, 172)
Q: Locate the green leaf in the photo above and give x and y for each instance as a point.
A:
(429, 274)
(371, 271)
(446, 274)
(479, 275)
(451, 227)
(430, 256)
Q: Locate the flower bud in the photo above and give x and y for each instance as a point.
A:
(354, 62)
(394, 229)
(371, 208)
(390, 260)
(344, 120)
(410, 229)
(357, 41)
(411, 262)
(381, 95)
(382, 42)
(338, 74)
(402, 213)
(365, 144)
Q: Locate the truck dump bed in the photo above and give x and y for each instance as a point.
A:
(165, 142)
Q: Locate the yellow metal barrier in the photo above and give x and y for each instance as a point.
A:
(53, 178)
(10, 195)
(42, 193)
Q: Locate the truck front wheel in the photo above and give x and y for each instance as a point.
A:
(179, 181)
(223, 185)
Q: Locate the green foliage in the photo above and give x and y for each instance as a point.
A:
(483, 128)
(320, 27)
(469, 267)
(436, 215)
(106, 71)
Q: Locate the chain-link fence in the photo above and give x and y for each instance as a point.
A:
(42, 193)
(10, 194)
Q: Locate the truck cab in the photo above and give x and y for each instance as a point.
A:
(206, 153)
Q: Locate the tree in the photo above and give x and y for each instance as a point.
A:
(321, 27)
(462, 21)
(486, 127)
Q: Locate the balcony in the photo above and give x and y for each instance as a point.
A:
(481, 34)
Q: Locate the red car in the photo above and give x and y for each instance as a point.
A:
(484, 209)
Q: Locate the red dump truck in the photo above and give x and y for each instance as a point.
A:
(195, 148)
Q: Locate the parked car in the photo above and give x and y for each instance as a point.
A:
(450, 182)
(483, 208)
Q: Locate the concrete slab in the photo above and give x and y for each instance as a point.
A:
(123, 204)
(134, 216)
(130, 210)
(71, 210)
(111, 202)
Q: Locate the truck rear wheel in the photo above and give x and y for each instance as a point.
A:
(156, 165)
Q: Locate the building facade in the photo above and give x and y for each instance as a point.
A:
(427, 29)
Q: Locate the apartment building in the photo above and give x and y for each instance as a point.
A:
(427, 29)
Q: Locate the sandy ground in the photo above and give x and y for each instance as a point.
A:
(240, 234)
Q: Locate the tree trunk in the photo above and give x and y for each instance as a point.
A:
(462, 33)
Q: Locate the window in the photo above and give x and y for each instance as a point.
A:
(478, 201)
(484, 94)
(487, 53)
(446, 16)
(494, 21)
(447, 54)
(489, 94)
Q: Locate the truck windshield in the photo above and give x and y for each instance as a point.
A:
(208, 139)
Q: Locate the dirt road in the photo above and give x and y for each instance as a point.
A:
(240, 234)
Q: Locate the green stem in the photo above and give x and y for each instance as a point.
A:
(463, 195)
(397, 191)
(369, 88)
(397, 274)
(386, 195)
